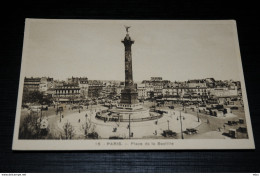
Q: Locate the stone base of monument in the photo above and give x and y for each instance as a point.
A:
(129, 107)
(124, 115)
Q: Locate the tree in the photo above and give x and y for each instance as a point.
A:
(90, 130)
(87, 126)
(68, 130)
(30, 127)
(35, 97)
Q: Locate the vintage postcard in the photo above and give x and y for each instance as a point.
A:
(131, 85)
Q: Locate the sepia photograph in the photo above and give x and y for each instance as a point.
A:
(131, 84)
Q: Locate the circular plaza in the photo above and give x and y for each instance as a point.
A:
(151, 128)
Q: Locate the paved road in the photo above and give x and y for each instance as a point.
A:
(148, 129)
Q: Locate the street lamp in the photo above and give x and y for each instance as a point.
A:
(181, 124)
(41, 114)
(168, 124)
(57, 103)
(60, 116)
(198, 115)
(129, 127)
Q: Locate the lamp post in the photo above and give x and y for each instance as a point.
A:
(168, 124)
(60, 116)
(57, 106)
(129, 127)
(198, 115)
(181, 124)
(41, 114)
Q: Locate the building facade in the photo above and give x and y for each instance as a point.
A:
(32, 84)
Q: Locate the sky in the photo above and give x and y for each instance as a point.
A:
(174, 50)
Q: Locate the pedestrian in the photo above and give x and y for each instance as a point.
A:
(207, 121)
(155, 132)
(219, 129)
(62, 116)
(79, 120)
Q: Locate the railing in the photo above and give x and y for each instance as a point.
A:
(127, 120)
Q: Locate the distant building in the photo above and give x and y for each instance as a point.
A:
(224, 95)
(119, 88)
(196, 83)
(32, 84)
(45, 84)
(157, 83)
(224, 91)
(109, 90)
(77, 80)
(192, 89)
(156, 79)
(83, 85)
(210, 82)
(67, 91)
(95, 88)
(142, 92)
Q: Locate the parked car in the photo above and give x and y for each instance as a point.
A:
(191, 131)
(234, 107)
(35, 108)
(169, 133)
(44, 108)
(115, 137)
(171, 107)
(60, 108)
(77, 107)
(161, 112)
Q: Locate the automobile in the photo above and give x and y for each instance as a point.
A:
(35, 108)
(93, 135)
(93, 103)
(201, 109)
(202, 105)
(60, 108)
(44, 108)
(242, 129)
(232, 133)
(171, 107)
(232, 123)
(77, 107)
(161, 112)
(234, 107)
(169, 133)
(191, 131)
(86, 104)
(219, 107)
(115, 137)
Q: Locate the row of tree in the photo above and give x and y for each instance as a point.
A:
(30, 129)
(36, 97)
